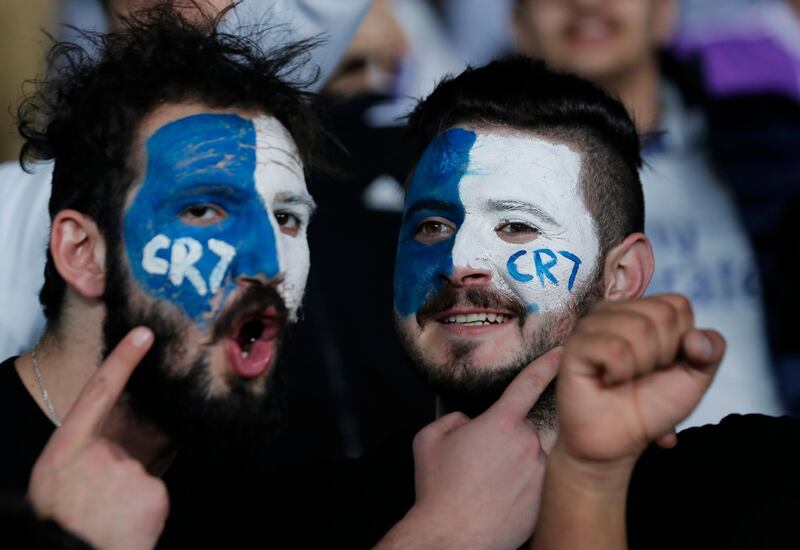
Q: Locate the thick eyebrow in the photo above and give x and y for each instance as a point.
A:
(430, 204)
(520, 206)
(221, 190)
(302, 199)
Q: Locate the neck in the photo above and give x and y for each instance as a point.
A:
(638, 90)
(67, 356)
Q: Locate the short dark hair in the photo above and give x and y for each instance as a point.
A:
(523, 93)
(85, 115)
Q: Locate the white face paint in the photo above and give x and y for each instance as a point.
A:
(280, 182)
(526, 180)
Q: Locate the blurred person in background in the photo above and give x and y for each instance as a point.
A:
(700, 243)
(748, 65)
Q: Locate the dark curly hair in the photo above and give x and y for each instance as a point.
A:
(84, 116)
(523, 93)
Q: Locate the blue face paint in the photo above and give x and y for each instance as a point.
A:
(543, 268)
(513, 269)
(576, 264)
(205, 159)
(432, 191)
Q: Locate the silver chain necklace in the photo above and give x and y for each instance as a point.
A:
(53, 416)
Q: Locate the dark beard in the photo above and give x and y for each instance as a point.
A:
(461, 386)
(178, 404)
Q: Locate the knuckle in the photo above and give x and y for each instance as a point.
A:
(532, 383)
(532, 449)
(668, 313)
(681, 304)
(506, 424)
(100, 451)
(97, 389)
(618, 348)
(645, 327)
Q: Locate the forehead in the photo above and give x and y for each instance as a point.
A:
(496, 164)
(216, 146)
(189, 144)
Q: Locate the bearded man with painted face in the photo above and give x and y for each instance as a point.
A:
(522, 233)
(179, 207)
(521, 213)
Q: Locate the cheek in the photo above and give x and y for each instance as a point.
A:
(418, 273)
(295, 264)
(543, 275)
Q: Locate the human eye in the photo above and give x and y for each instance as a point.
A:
(202, 215)
(434, 230)
(289, 223)
(516, 232)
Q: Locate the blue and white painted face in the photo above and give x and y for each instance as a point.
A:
(223, 198)
(505, 205)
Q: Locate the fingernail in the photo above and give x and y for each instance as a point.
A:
(141, 336)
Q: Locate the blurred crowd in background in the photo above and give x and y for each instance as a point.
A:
(715, 90)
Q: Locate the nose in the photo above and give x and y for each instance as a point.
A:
(463, 277)
(257, 260)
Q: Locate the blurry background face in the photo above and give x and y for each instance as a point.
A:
(497, 256)
(214, 257)
(190, 8)
(597, 39)
(374, 58)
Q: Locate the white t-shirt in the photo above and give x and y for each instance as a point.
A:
(702, 251)
(24, 226)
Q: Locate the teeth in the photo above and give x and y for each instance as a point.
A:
(476, 319)
(245, 354)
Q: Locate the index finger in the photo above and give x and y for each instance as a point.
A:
(104, 388)
(524, 391)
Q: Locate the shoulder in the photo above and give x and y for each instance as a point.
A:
(721, 486)
(752, 444)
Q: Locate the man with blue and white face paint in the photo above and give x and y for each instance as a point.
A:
(497, 252)
(177, 260)
(511, 231)
(522, 233)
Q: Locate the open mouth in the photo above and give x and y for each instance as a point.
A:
(252, 343)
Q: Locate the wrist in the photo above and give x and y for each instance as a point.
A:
(417, 529)
(599, 478)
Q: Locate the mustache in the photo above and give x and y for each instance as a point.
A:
(449, 297)
(249, 303)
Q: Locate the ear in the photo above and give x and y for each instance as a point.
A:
(524, 41)
(665, 17)
(79, 253)
(629, 268)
